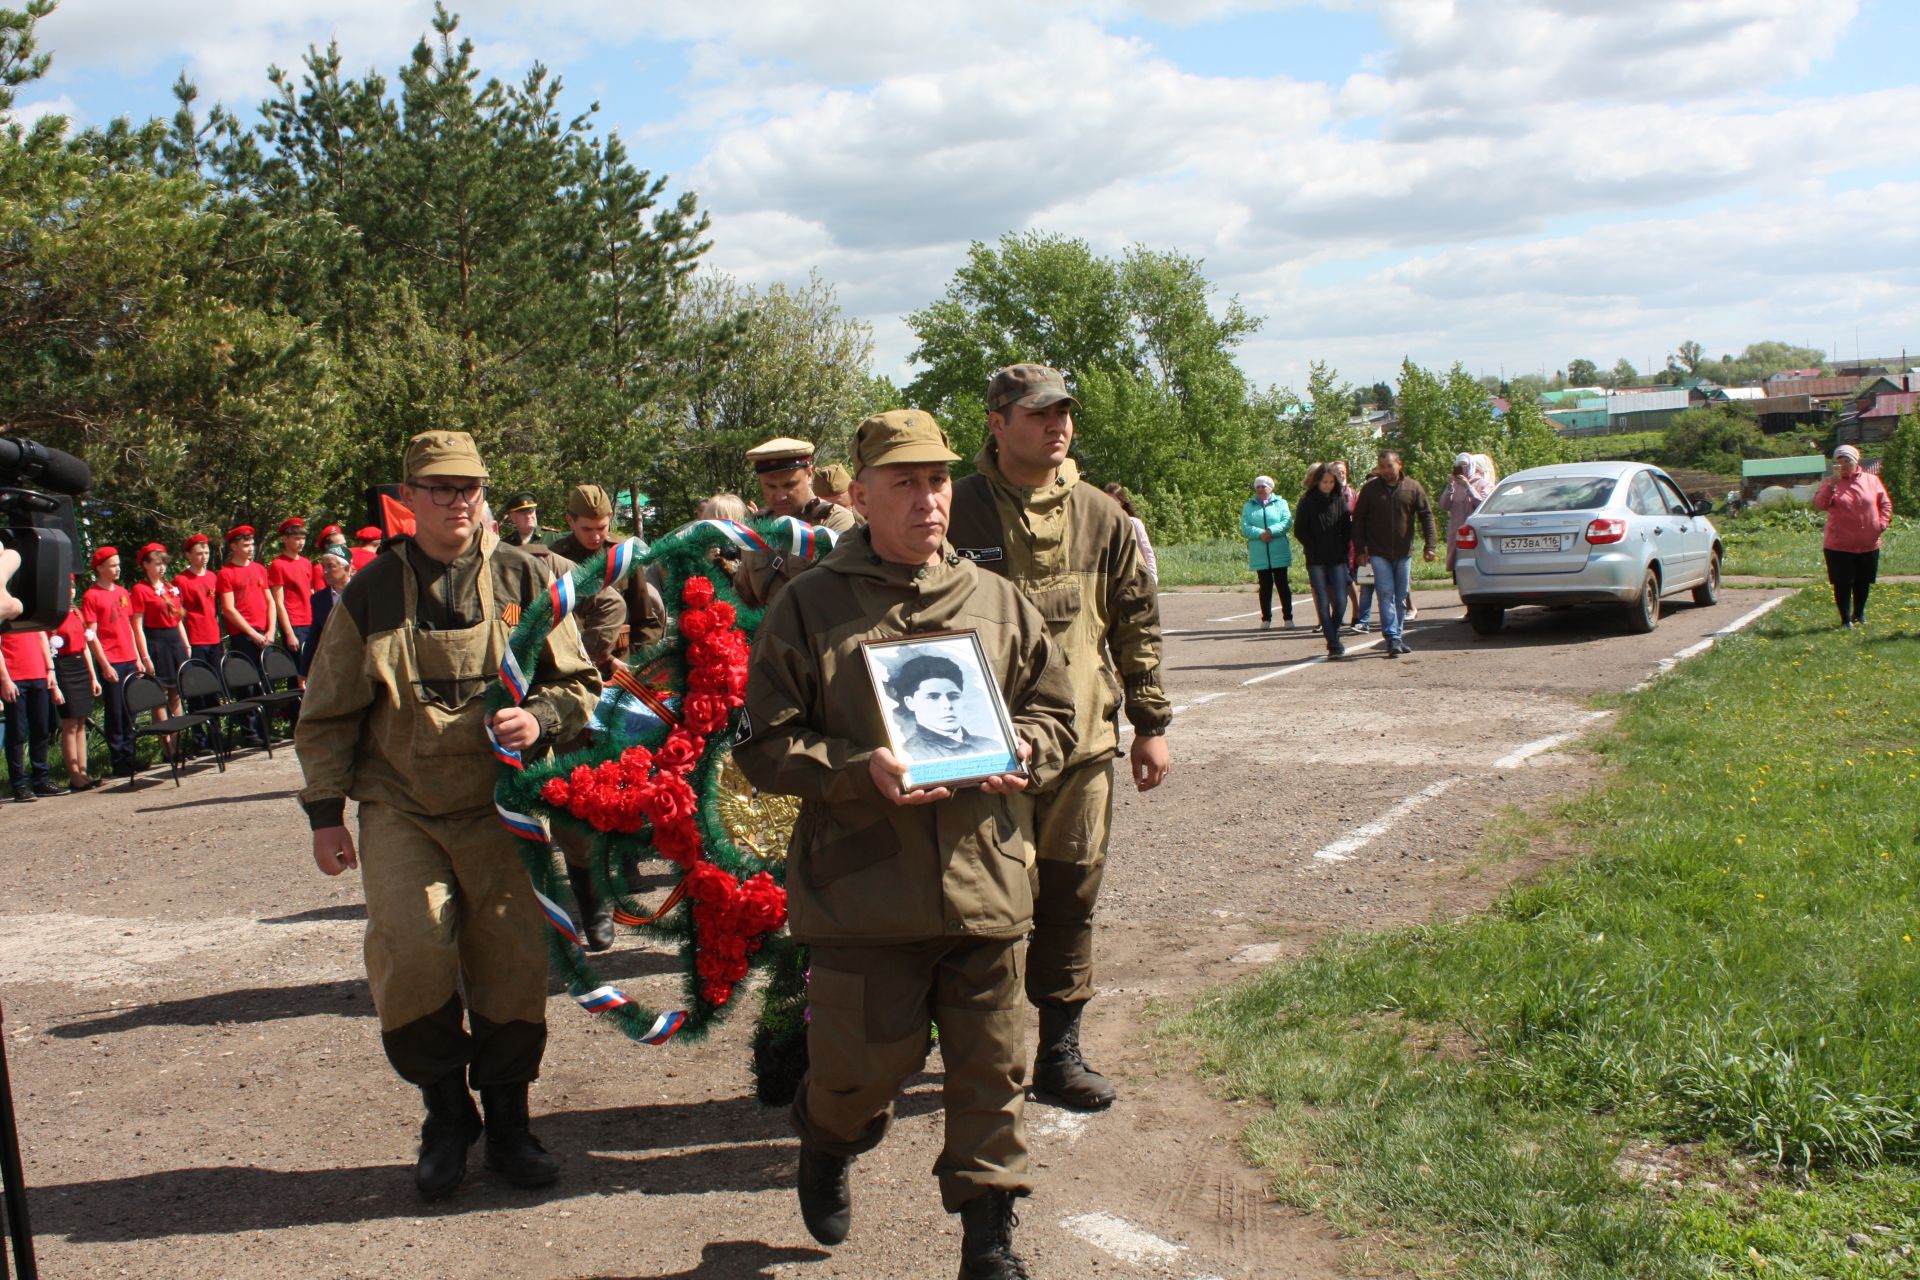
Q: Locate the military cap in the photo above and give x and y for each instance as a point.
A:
(239, 531)
(589, 501)
(781, 454)
(833, 479)
(369, 533)
(444, 453)
(103, 554)
(292, 524)
(149, 549)
(521, 501)
(899, 435)
(330, 530)
(1031, 386)
(197, 539)
(341, 554)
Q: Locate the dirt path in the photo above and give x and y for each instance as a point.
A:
(201, 1091)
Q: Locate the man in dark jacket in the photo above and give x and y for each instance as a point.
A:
(1383, 521)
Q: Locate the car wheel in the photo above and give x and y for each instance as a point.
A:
(1708, 592)
(1486, 619)
(1644, 613)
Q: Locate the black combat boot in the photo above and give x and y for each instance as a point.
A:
(986, 1250)
(596, 913)
(451, 1127)
(826, 1202)
(1060, 1075)
(512, 1150)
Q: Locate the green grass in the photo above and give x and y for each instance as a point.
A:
(1628, 446)
(1727, 972)
(1222, 562)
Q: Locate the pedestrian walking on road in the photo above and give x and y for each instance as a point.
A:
(1858, 512)
(1118, 493)
(1390, 505)
(1264, 523)
(395, 717)
(1464, 493)
(1324, 526)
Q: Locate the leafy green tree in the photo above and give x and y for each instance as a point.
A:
(1715, 438)
(1623, 374)
(1582, 373)
(1900, 465)
(1165, 410)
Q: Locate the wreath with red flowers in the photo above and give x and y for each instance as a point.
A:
(656, 795)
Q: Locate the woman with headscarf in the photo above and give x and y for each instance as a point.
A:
(1466, 490)
(1264, 522)
(1858, 512)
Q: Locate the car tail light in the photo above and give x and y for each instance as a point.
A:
(1606, 530)
(1466, 538)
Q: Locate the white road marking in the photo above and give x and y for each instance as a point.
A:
(1740, 623)
(1198, 700)
(1292, 667)
(1235, 617)
(1122, 1239)
(1358, 838)
(1520, 755)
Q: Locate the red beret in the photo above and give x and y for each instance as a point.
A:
(329, 531)
(103, 554)
(240, 531)
(149, 549)
(197, 540)
(292, 524)
(371, 533)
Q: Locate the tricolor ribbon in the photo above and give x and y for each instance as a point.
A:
(504, 754)
(560, 592)
(621, 559)
(664, 1026)
(558, 917)
(601, 999)
(513, 677)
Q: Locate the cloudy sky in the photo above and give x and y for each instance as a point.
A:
(1508, 183)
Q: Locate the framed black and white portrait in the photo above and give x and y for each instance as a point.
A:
(946, 720)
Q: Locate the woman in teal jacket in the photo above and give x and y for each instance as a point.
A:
(1264, 522)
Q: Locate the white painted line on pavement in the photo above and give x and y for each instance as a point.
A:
(1740, 623)
(1520, 755)
(1122, 1239)
(1235, 617)
(1358, 838)
(1292, 667)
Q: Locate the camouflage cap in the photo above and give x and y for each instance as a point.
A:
(443, 453)
(1031, 386)
(899, 435)
(589, 501)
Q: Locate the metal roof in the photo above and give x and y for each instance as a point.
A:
(1893, 404)
(1811, 464)
(1650, 401)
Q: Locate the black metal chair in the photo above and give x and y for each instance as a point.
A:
(244, 684)
(143, 695)
(198, 680)
(281, 668)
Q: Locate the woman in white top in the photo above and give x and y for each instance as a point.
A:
(1119, 495)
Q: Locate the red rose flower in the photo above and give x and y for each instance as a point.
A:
(697, 593)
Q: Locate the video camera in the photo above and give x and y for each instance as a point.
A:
(38, 523)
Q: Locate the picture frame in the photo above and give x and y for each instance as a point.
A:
(945, 717)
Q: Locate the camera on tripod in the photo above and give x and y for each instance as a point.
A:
(37, 489)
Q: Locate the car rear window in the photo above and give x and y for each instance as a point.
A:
(1566, 493)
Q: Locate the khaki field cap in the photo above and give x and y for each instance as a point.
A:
(901, 435)
(590, 501)
(783, 453)
(444, 453)
(1031, 386)
(833, 479)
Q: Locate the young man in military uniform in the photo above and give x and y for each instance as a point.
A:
(784, 467)
(1026, 515)
(520, 520)
(913, 901)
(589, 520)
(395, 717)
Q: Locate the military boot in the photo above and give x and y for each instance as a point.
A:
(596, 913)
(826, 1201)
(1060, 1075)
(986, 1250)
(512, 1150)
(452, 1126)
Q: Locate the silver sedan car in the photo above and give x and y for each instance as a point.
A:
(1617, 533)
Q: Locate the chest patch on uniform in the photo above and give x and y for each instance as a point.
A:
(982, 555)
(510, 614)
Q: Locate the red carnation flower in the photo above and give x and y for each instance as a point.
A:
(697, 593)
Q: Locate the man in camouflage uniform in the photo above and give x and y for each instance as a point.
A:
(913, 902)
(644, 621)
(785, 470)
(395, 717)
(1026, 516)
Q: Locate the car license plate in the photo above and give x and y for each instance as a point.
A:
(1548, 542)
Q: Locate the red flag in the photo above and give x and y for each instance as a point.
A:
(395, 516)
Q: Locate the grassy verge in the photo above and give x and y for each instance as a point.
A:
(1222, 562)
(1689, 1051)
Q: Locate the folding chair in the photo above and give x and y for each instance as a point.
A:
(244, 684)
(198, 680)
(144, 694)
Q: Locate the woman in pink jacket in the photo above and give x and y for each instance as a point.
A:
(1858, 512)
